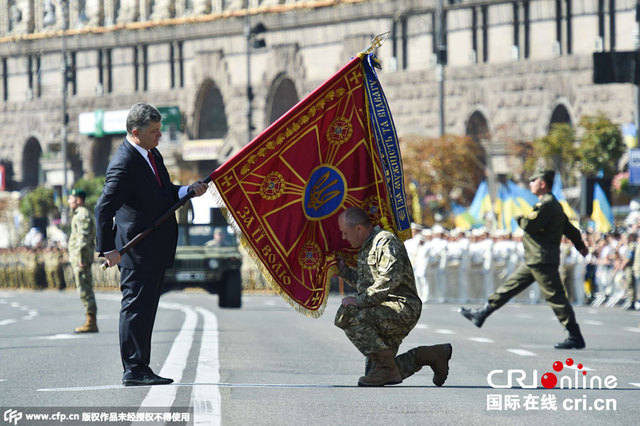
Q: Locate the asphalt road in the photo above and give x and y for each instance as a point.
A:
(266, 364)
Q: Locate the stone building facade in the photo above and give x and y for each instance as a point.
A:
(513, 68)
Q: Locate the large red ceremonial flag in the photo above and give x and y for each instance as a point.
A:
(335, 149)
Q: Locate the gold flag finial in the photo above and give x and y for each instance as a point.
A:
(376, 42)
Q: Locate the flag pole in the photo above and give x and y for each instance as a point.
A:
(181, 202)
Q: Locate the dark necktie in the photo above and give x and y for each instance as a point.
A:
(155, 169)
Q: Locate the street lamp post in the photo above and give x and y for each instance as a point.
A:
(252, 42)
(65, 79)
(441, 61)
(247, 33)
(637, 46)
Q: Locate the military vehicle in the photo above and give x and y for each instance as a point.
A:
(207, 256)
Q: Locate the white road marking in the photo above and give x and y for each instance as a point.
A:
(481, 339)
(8, 321)
(206, 400)
(82, 388)
(635, 384)
(633, 330)
(521, 352)
(197, 385)
(174, 365)
(14, 304)
(61, 336)
(445, 331)
(422, 326)
(592, 322)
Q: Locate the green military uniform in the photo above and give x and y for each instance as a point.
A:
(543, 231)
(81, 248)
(388, 303)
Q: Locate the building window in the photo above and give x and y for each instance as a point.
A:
(527, 27)
(71, 74)
(145, 68)
(400, 53)
(569, 28)
(33, 74)
(105, 70)
(180, 63)
(474, 33)
(516, 27)
(177, 64)
(136, 70)
(612, 25)
(141, 68)
(559, 26)
(5, 80)
(172, 65)
(485, 33)
(601, 21)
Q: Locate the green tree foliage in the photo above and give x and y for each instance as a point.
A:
(601, 146)
(93, 188)
(558, 149)
(440, 168)
(38, 203)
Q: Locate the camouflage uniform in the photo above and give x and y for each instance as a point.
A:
(388, 303)
(81, 248)
(544, 228)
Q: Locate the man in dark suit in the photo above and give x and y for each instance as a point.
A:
(136, 193)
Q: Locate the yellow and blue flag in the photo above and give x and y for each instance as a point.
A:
(602, 214)
(481, 203)
(513, 201)
(462, 218)
(556, 190)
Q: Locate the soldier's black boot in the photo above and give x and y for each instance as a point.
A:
(477, 316)
(437, 357)
(574, 341)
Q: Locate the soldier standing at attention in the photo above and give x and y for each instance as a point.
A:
(387, 306)
(81, 248)
(543, 230)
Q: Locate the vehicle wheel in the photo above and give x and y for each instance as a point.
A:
(230, 295)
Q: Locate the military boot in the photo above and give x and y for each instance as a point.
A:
(437, 357)
(477, 316)
(90, 325)
(384, 371)
(574, 341)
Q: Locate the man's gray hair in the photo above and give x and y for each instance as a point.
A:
(354, 216)
(140, 115)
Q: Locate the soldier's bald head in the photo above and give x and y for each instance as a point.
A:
(354, 216)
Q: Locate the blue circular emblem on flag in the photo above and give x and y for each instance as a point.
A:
(324, 193)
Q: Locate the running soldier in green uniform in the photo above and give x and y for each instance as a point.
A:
(387, 306)
(543, 231)
(81, 248)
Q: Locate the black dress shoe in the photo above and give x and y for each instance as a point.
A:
(146, 380)
(571, 342)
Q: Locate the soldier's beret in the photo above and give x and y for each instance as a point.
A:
(546, 175)
(78, 193)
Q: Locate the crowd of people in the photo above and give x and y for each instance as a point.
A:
(456, 265)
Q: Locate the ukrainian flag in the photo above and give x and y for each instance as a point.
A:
(522, 203)
(556, 190)
(481, 203)
(601, 214)
(503, 208)
(462, 217)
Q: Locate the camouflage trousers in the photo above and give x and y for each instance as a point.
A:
(84, 284)
(377, 329)
(551, 287)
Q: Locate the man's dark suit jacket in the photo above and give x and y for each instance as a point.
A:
(132, 195)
